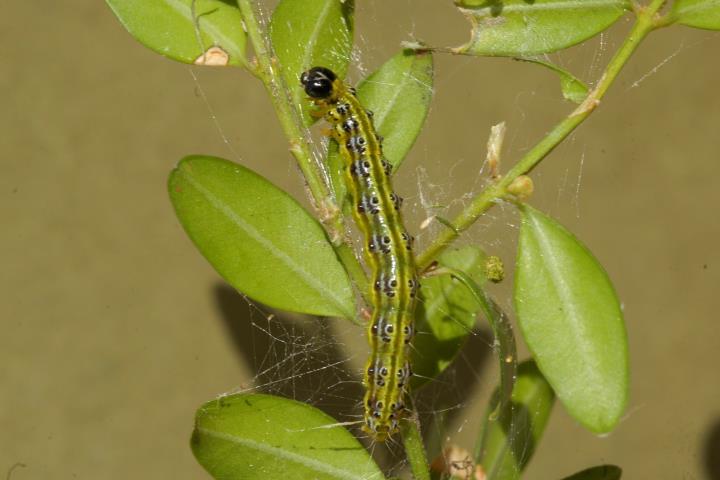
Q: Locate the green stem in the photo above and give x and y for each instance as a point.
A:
(268, 73)
(414, 449)
(645, 23)
(266, 70)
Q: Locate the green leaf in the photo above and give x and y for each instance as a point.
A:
(399, 95)
(258, 437)
(602, 472)
(259, 238)
(572, 322)
(697, 13)
(445, 315)
(520, 28)
(573, 89)
(508, 440)
(310, 33)
(168, 27)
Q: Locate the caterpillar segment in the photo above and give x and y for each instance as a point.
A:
(388, 250)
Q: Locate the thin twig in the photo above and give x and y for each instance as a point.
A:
(646, 22)
(264, 68)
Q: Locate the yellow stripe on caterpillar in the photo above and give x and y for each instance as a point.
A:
(388, 249)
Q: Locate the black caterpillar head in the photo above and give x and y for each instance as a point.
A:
(318, 82)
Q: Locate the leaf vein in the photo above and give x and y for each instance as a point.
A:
(564, 291)
(323, 290)
(312, 41)
(308, 462)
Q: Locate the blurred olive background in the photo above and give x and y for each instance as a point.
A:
(113, 327)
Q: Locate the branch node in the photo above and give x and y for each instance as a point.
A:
(590, 104)
(522, 187)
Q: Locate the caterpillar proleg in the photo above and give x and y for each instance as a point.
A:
(388, 249)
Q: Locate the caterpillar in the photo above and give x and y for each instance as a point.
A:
(387, 251)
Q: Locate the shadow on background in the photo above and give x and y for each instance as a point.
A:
(297, 357)
(293, 356)
(711, 451)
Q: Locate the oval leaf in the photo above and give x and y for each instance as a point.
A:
(258, 437)
(168, 27)
(508, 439)
(522, 27)
(309, 33)
(399, 95)
(445, 315)
(572, 322)
(697, 13)
(259, 238)
(602, 472)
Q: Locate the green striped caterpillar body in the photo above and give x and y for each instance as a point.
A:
(387, 249)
